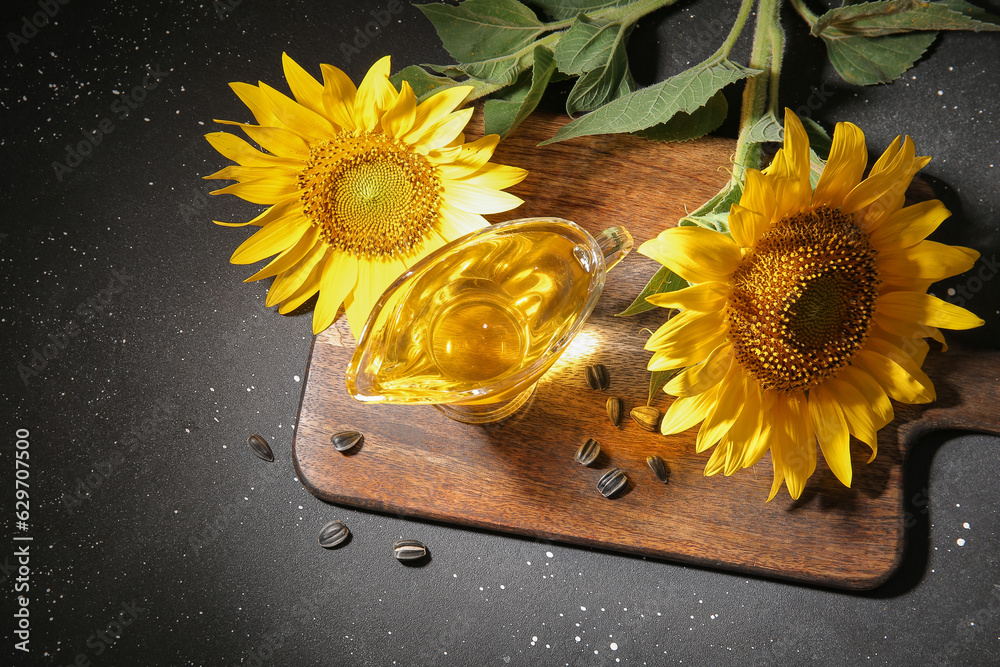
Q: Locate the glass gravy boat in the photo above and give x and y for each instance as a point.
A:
(471, 327)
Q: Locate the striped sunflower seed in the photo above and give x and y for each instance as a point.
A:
(616, 407)
(646, 416)
(658, 467)
(408, 550)
(612, 482)
(598, 376)
(332, 534)
(346, 440)
(260, 448)
(588, 452)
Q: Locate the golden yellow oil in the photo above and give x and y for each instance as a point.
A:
(483, 314)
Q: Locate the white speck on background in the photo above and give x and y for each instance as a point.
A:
(940, 92)
(966, 525)
(296, 378)
(960, 542)
(582, 608)
(614, 646)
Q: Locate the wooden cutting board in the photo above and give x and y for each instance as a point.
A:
(519, 475)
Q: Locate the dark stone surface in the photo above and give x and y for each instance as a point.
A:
(148, 509)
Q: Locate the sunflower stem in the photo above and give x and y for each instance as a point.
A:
(761, 93)
(734, 32)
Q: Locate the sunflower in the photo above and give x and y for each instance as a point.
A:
(798, 329)
(360, 184)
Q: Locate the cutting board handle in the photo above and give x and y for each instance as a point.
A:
(968, 394)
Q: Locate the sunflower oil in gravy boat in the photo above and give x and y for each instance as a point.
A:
(472, 327)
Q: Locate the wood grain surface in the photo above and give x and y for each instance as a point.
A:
(519, 475)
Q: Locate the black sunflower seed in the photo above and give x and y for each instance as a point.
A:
(612, 482)
(260, 448)
(588, 452)
(598, 376)
(332, 534)
(408, 550)
(658, 467)
(346, 440)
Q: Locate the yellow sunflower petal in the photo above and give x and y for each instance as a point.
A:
(398, 118)
(435, 109)
(245, 174)
(272, 238)
(238, 150)
(745, 225)
(288, 257)
(844, 168)
(339, 95)
(910, 329)
(728, 405)
(758, 445)
(683, 329)
(927, 260)
(257, 102)
(305, 274)
(834, 437)
(908, 226)
(897, 373)
(758, 196)
(268, 190)
(694, 253)
(446, 132)
(697, 379)
(293, 115)
(307, 90)
(281, 142)
(703, 297)
(683, 352)
(469, 159)
(794, 444)
(496, 176)
(278, 210)
(926, 309)
(873, 392)
(455, 222)
(790, 176)
(308, 285)
(477, 199)
(857, 412)
(337, 279)
(375, 94)
(687, 411)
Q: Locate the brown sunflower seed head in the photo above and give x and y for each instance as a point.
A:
(598, 377)
(616, 408)
(646, 416)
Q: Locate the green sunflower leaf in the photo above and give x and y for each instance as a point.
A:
(502, 116)
(425, 84)
(479, 30)
(889, 17)
(658, 380)
(714, 214)
(601, 85)
(687, 126)
(587, 45)
(767, 129)
(685, 92)
(865, 61)
(568, 9)
(664, 280)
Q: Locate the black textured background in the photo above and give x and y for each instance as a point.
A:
(211, 554)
